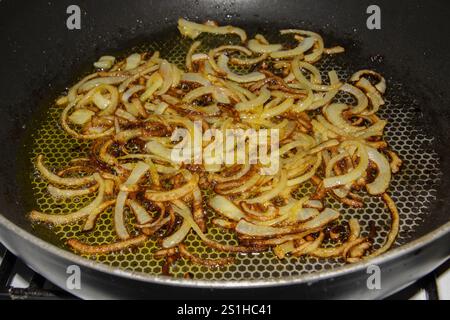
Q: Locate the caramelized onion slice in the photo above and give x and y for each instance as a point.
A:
(333, 113)
(258, 47)
(270, 194)
(195, 77)
(70, 193)
(84, 248)
(253, 230)
(261, 99)
(222, 63)
(211, 263)
(55, 179)
(395, 222)
(353, 174)
(142, 216)
(138, 172)
(212, 243)
(303, 46)
(226, 208)
(81, 116)
(178, 236)
(90, 221)
(381, 85)
(383, 178)
(64, 117)
(74, 216)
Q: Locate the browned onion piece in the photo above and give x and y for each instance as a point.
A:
(74, 216)
(53, 178)
(165, 252)
(334, 50)
(245, 168)
(75, 169)
(84, 248)
(281, 239)
(212, 243)
(70, 193)
(249, 61)
(308, 247)
(198, 208)
(160, 196)
(193, 30)
(381, 85)
(396, 162)
(178, 236)
(320, 220)
(224, 223)
(191, 51)
(90, 221)
(150, 229)
(358, 251)
(392, 235)
(119, 222)
(142, 216)
(269, 214)
(106, 132)
(212, 263)
(352, 240)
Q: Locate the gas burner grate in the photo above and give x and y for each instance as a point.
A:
(37, 287)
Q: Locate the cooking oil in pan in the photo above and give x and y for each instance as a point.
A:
(413, 189)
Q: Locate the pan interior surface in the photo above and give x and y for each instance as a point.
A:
(414, 188)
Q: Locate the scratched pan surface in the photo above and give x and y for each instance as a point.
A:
(417, 129)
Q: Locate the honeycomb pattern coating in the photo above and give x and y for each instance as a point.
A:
(413, 189)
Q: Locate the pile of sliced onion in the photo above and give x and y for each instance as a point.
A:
(130, 108)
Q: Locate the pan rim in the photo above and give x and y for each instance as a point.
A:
(222, 284)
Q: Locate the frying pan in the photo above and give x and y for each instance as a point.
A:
(40, 57)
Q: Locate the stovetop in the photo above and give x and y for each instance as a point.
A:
(18, 281)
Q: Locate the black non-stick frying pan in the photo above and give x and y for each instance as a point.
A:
(40, 56)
